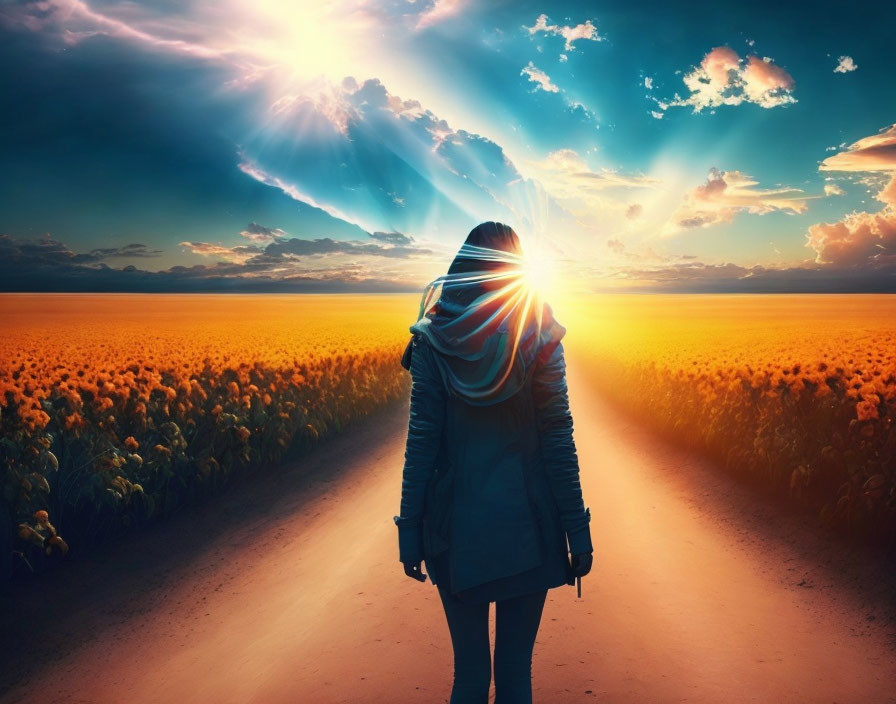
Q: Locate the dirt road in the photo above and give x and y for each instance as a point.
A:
(289, 590)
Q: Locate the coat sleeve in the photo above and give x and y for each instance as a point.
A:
(427, 415)
(561, 462)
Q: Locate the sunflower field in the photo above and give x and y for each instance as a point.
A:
(116, 410)
(793, 393)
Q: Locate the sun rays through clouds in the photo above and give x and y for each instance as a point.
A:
(633, 163)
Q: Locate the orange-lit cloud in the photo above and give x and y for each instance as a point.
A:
(724, 78)
(861, 239)
(238, 254)
(634, 211)
(727, 193)
(616, 245)
(874, 153)
(439, 11)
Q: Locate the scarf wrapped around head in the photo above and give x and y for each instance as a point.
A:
(488, 325)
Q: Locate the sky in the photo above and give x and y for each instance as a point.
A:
(275, 146)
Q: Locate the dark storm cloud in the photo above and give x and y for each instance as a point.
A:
(46, 250)
(130, 250)
(398, 245)
(326, 245)
(698, 277)
(392, 237)
(47, 264)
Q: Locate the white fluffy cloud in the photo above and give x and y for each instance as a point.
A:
(536, 75)
(543, 81)
(571, 34)
(845, 64)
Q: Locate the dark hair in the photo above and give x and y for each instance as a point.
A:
(492, 235)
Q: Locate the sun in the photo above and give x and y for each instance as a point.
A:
(540, 273)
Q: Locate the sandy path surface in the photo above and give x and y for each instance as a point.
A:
(289, 590)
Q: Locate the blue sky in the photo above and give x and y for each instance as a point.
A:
(352, 145)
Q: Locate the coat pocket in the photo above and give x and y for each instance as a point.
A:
(437, 516)
(545, 508)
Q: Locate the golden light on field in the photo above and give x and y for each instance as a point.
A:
(118, 409)
(163, 396)
(796, 392)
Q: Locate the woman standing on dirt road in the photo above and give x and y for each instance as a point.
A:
(490, 491)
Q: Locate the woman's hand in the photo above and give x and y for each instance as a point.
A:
(581, 564)
(415, 570)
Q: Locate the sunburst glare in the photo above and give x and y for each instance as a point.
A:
(509, 293)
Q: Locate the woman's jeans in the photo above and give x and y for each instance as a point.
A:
(516, 624)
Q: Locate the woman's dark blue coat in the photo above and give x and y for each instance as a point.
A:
(490, 494)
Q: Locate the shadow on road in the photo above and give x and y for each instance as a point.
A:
(47, 616)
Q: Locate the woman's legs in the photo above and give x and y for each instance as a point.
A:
(468, 625)
(516, 625)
